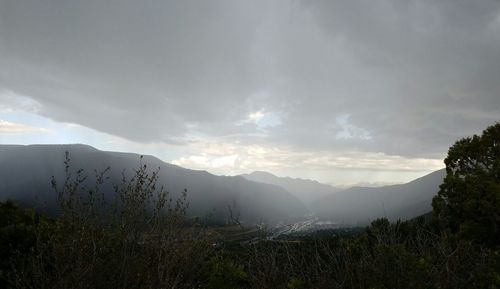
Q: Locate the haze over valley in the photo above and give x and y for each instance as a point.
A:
(342, 92)
(26, 173)
(249, 144)
(276, 111)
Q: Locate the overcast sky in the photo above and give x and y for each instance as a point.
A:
(340, 91)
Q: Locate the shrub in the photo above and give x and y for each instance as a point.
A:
(138, 241)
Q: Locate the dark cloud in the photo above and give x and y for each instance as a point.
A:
(399, 77)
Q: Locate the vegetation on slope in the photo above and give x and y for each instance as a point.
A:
(143, 240)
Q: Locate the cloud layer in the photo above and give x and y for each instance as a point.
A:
(400, 78)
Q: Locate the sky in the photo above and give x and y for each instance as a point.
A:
(344, 92)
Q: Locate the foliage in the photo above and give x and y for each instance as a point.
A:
(16, 236)
(223, 273)
(141, 238)
(468, 202)
(399, 255)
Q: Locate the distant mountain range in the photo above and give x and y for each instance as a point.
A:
(359, 205)
(308, 191)
(25, 176)
(26, 171)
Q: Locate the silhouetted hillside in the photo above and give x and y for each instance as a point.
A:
(360, 205)
(308, 191)
(25, 175)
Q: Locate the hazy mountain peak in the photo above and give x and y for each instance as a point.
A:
(359, 205)
(262, 174)
(26, 171)
(306, 190)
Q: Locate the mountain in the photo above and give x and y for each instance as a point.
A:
(360, 205)
(307, 191)
(25, 176)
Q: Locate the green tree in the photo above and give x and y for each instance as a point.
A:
(468, 202)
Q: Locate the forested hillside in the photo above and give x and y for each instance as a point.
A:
(144, 240)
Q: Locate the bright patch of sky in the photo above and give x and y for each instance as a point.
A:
(343, 168)
(264, 120)
(337, 91)
(18, 127)
(12, 128)
(224, 157)
(350, 131)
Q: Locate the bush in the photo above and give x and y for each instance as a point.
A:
(139, 241)
(142, 239)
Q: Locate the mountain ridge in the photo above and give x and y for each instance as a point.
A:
(304, 189)
(360, 205)
(26, 169)
(26, 172)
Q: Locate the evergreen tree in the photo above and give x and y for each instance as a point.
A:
(468, 202)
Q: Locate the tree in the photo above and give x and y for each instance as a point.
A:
(468, 202)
